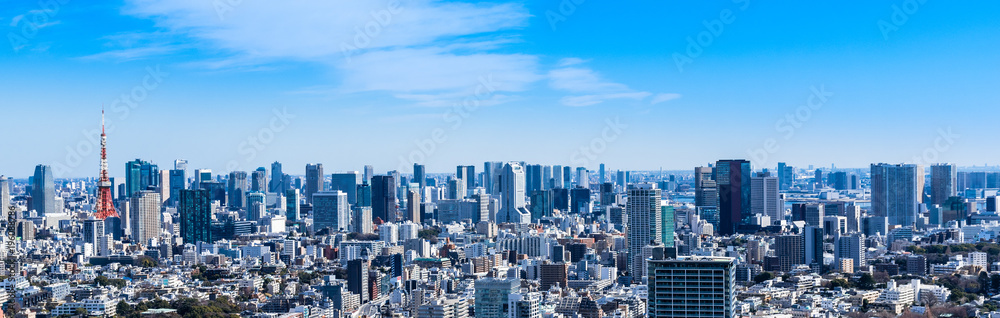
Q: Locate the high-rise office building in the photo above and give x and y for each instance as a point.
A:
(331, 210)
(357, 278)
(645, 225)
(278, 183)
(468, 175)
(525, 305)
(491, 177)
(668, 225)
(512, 195)
(533, 178)
(256, 205)
(195, 209)
(180, 164)
(93, 231)
(765, 197)
(456, 189)
(140, 175)
(238, 187)
(895, 192)
(546, 177)
(346, 182)
(314, 180)
(145, 218)
(600, 175)
(812, 245)
(364, 194)
(258, 180)
(733, 180)
(178, 182)
(420, 175)
(851, 247)
(692, 287)
(567, 176)
(553, 275)
(292, 208)
(814, 214)
(706, 192)
(944, 181)
(492, 296)
(384, 198)
(413, 206)
(541, 204)
(790, 250)
(786, 176)
(579, 201)
(582, 177)
(557, 177)
(4, 193)
(201, 175)
(362, 220)
(43, 191)
(369, 172)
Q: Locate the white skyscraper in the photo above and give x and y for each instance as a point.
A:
(512, 204)
(363, 220)
(145, 208)
(4, 194)
(645, 224)
(765, 199)
(557, 177)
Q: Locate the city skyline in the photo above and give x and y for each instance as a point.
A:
(867, 64)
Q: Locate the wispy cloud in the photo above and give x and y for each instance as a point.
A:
(590, 88)
(660, 98)
(420, 48)
(132, 53)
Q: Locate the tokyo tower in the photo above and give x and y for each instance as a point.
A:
(105, 208)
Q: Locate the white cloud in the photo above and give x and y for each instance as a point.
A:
(575, 78)
(587, 100)
(402, 47)
(659, 98)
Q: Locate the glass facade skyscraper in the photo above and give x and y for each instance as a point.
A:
(195, 209)
(43, 191)
(733, 180)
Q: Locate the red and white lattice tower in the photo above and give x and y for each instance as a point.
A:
(105, 208)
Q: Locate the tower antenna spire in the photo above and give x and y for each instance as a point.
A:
(105, 207)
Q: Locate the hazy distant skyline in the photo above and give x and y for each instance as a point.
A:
(889, 82)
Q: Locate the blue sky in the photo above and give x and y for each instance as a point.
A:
(552, 82)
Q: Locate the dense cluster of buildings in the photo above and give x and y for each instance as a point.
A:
(513, 240)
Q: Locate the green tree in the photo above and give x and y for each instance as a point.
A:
(762, 277)
(840, 282)
(866, 282)
(123, 309)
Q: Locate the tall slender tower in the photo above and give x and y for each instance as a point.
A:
(105, 208)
